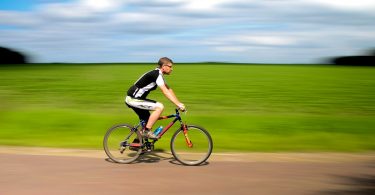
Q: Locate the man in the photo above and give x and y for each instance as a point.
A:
(137, 93)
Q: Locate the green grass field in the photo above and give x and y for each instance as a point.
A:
(245, 107)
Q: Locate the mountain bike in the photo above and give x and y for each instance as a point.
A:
(190, 144)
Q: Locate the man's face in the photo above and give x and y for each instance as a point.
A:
(167, 68)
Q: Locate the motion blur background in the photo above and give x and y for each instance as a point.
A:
(85, 54)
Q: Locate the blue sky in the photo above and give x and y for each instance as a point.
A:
(248, 31)
(20, 5)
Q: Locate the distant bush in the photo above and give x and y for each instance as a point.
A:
(363, 60)
(355, 60)
(8, 56)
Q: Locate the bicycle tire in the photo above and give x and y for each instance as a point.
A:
(117, 142)
(198, 153)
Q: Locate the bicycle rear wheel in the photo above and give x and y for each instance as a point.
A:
(198, 152)
(118, 144)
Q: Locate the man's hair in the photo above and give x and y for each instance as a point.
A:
(163, 61)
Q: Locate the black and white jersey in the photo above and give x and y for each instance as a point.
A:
(146, 83)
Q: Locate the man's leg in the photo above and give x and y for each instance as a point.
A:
(155, 116)
(142, 114)
(158, 109)
(145, 114)
(141, 107)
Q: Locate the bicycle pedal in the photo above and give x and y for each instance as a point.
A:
(146, 151)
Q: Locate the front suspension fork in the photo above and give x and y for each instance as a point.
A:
(188, 142)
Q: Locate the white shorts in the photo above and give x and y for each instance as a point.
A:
(144, 104)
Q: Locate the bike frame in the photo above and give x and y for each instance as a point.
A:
(176, 117)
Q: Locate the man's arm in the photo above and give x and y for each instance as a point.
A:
(168, 92)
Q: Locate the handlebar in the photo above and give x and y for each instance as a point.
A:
(178, 109)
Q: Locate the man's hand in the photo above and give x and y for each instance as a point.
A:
(181, 106)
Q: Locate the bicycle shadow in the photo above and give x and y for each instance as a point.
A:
(157, 156)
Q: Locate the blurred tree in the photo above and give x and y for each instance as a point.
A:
(365, 60)
(8, 56)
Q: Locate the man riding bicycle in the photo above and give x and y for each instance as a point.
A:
(137, 93)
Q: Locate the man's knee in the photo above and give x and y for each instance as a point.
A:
(159, 106)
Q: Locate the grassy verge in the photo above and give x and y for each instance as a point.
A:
(246, 108)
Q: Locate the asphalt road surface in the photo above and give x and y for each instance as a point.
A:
(158, 173)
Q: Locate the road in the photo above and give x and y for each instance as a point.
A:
(158, 173)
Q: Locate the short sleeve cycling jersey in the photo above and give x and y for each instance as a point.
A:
(146, 83)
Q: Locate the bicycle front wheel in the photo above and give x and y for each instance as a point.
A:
(197, 151)
(120, 145)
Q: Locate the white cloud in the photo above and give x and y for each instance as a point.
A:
(267, 40)
(64, 10)
(18, 18)
(231, 48)
(101, 5)
(207, 5)
(191, 30)
(351, 5)
(137, 17)
(80, 8)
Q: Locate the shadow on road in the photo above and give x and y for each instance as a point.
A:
(149, 157)
(358, 185)
(155, 157)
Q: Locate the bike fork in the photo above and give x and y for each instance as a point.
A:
(188, 142)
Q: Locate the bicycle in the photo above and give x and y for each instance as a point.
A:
(190, 144)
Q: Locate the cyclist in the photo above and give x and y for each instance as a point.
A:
(137, 93)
